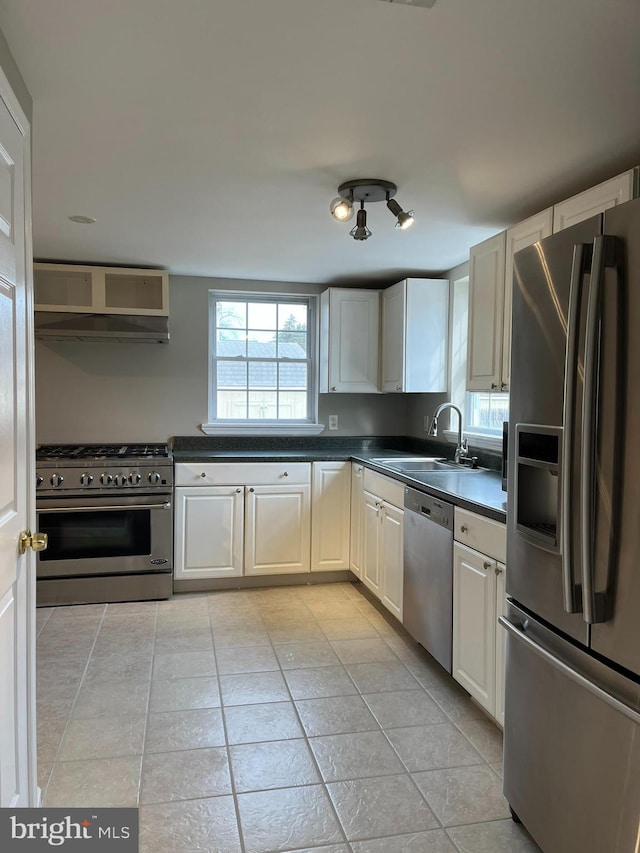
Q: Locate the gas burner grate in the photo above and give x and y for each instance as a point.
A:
(102, 451)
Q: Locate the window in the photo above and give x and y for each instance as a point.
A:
(483, 411)
(261, 368)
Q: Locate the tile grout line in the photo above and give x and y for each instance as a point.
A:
(232, 780)
(146, 717)
(73, 705)
(311, 752)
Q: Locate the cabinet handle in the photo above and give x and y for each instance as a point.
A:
(498, 570)
(504, 386)
(486, 564)
(286, 474)
(203, 475)
(333, 387)
(252, 489)
(494, 385)
(463, 528)
(238, 491)
(398, 387)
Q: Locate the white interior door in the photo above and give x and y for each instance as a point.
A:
(17, 586)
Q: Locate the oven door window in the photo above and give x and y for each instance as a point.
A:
(86, 535)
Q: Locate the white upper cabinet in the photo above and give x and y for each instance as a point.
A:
(100, 290)
(486, 303)
(490, 297)
(595, 200)
(349, 333)
(415, 316)
(519, 237)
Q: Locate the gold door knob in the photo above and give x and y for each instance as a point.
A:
(36, 541)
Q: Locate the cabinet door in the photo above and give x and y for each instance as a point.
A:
(354, 318)
(593, 201)
(486, 299)
(371, 542)
(519, 237)
(330, 516)
(393, 337)
(209, 532)
(58, 287)
(357, 505)
(391, 558)
(278, 524)
(501, 641)
(474, 624)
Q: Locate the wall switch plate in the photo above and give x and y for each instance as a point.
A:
(333, 422)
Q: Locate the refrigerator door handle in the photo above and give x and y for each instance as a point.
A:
(593, 603)
(572, 593)
(570, 672)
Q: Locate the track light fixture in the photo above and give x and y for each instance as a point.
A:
(367, 190)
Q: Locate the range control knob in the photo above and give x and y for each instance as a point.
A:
(120, 480)
(86, 479)
(106, 479)
(154, 478)
(57, 480)
(134, 479)
(39, 480)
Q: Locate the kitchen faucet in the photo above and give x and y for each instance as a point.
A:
(462, 448)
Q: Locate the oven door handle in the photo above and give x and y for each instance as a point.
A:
(107, 508)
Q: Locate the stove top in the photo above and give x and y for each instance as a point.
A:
(94, 468)
(102, 451)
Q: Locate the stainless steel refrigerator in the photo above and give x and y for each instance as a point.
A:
(572, 713)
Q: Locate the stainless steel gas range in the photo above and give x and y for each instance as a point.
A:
(106, 510)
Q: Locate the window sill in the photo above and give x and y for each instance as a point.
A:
(476, 439)
(262, 429)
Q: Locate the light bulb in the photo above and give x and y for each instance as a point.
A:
(341, 209)
(405, 220)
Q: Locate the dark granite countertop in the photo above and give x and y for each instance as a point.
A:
(479, 491)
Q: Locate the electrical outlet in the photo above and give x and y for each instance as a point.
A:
(333, 422)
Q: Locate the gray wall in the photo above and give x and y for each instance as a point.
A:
(8, 65)
(92, 392)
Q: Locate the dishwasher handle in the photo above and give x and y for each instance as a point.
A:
(433, 509)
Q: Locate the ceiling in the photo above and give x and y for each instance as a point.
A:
(209, 136)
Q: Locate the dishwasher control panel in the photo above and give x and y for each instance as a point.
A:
(432, 508)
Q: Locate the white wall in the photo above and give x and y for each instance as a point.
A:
(92, 392)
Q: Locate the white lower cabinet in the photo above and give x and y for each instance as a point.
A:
(501, 641)
(478, 601)
(258, 522)
(357, 506)
(277, 530)
(392, 557)
(209, 532)
(382, 551)
(330, 516)
(474, 634)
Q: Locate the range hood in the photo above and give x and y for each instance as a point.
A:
(118, 328)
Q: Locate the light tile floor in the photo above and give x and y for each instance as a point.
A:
(286, 719)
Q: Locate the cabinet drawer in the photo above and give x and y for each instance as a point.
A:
(242, 473)
(481, 534)
(383, 487)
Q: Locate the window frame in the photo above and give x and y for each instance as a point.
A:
(259, 426)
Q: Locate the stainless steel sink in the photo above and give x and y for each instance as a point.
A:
(414, 464)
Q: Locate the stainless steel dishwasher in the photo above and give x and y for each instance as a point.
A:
(428, 573)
